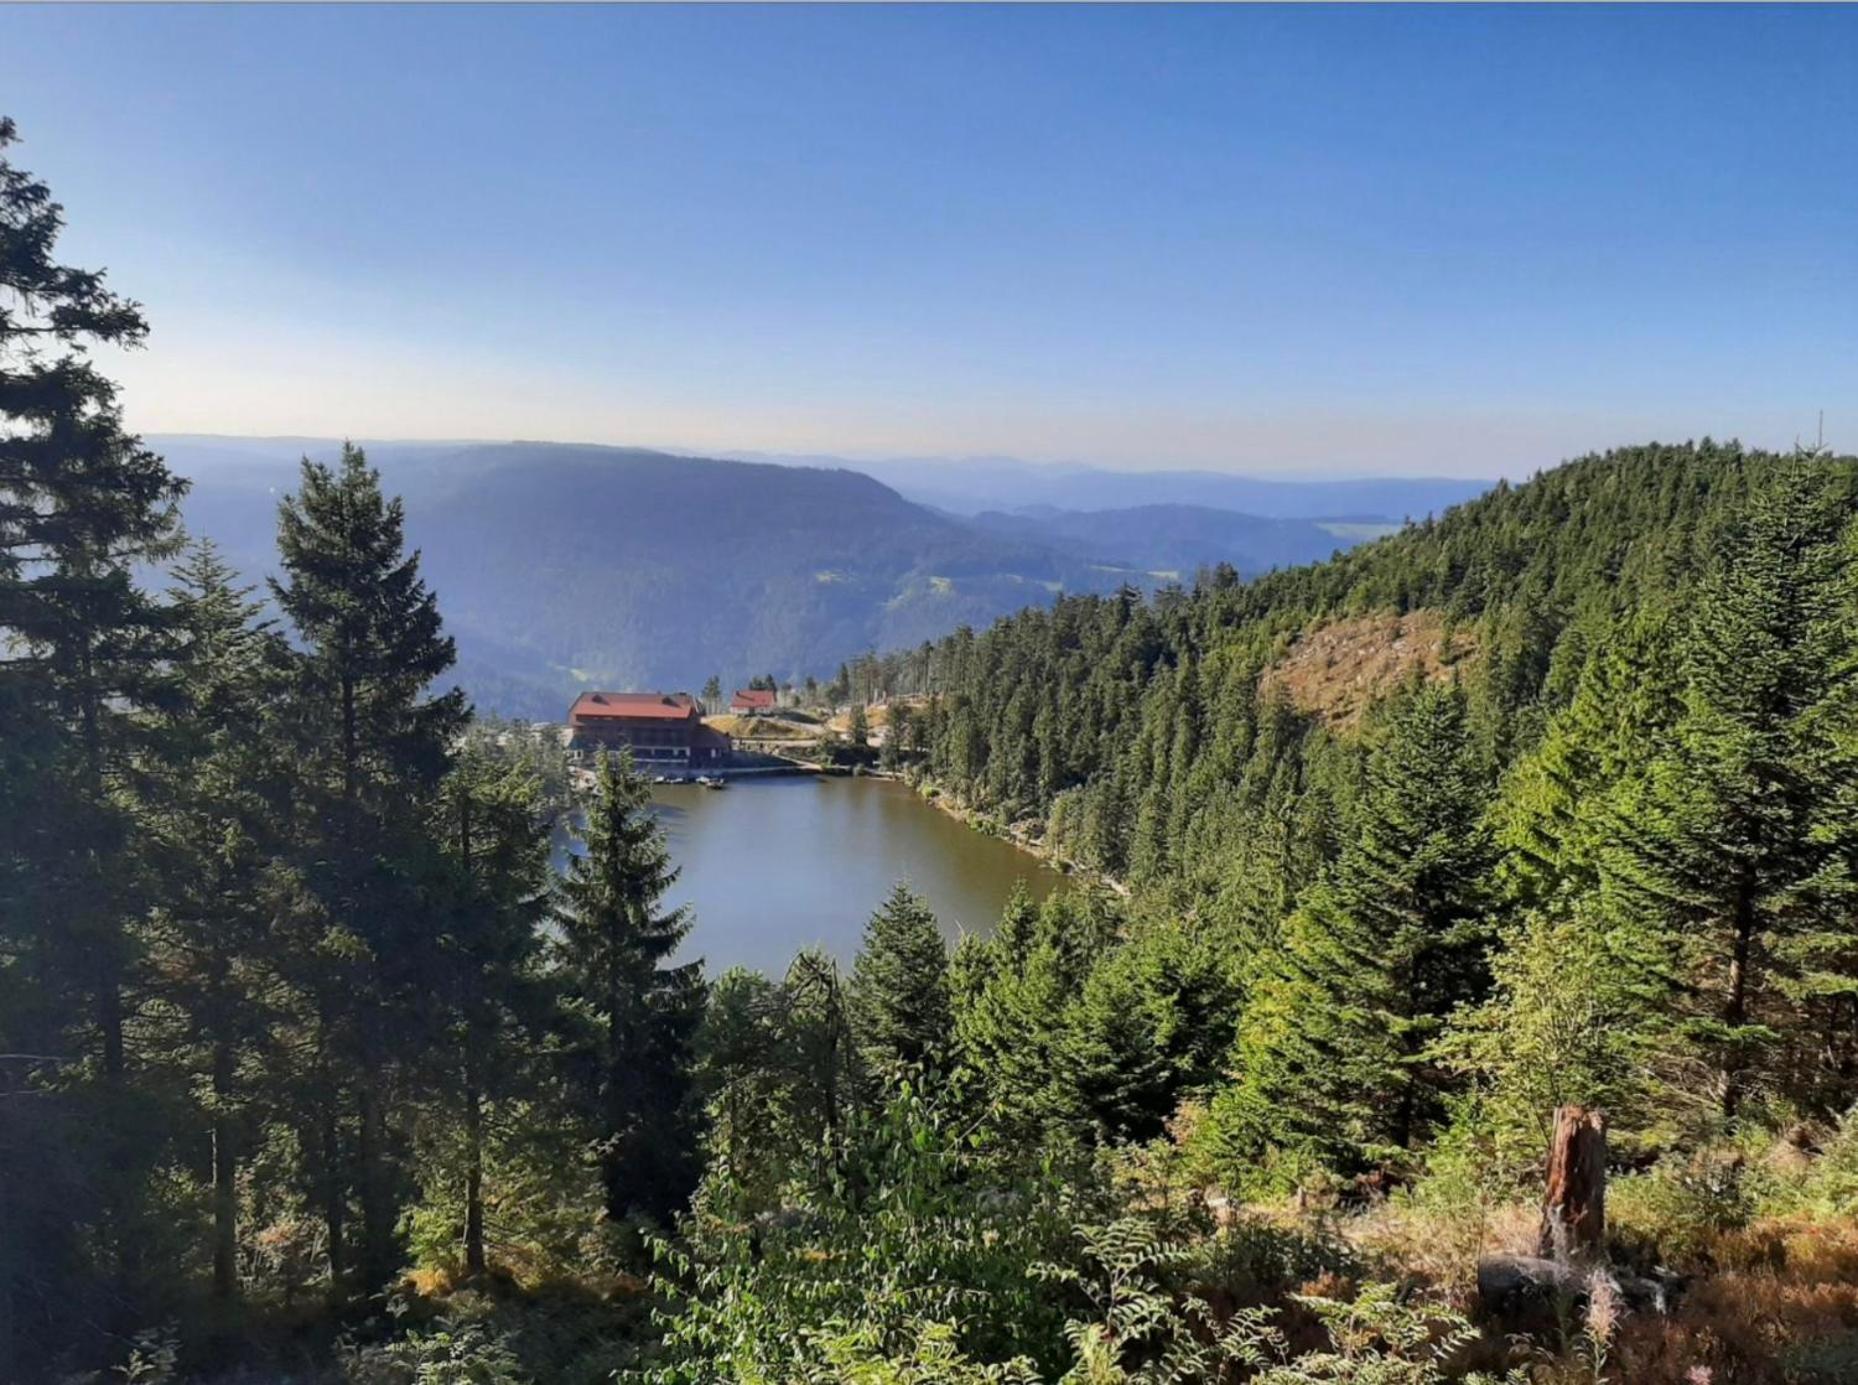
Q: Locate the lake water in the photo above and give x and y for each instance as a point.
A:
(772, 865)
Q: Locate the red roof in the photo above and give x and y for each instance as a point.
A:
(757, 699)
(633, 706)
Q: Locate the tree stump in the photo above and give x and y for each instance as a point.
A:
(1574, 1212)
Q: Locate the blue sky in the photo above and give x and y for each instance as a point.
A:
(1331, 239)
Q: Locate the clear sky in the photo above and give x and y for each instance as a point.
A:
(1337, 239)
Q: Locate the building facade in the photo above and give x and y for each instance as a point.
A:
(748, 701)
(663, 730)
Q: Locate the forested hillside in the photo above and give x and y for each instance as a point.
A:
(1112, 716)
(1626, 732)
(566, 567)
(1173, 542)
(313, 1070)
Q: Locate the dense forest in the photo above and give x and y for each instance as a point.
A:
(313, 1069)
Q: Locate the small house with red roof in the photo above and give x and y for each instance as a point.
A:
(750, 701)
(661, 729)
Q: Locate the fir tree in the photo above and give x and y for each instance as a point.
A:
(213, 793)
(899, 987)
(819, 1055)
(1335, 1053)
(637, 1013)
(1745, 813)
(82, 504)
(496, 842)
(372, 748)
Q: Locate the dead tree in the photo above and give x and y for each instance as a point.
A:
(1574, 1212)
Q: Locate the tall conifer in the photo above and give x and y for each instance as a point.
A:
(212, 793)
(1746, 815)
(637, 1012)
(1334, 1054)
(82, 504)
(372, 748)
(899, 990)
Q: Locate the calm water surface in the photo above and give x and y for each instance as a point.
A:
(773, 865)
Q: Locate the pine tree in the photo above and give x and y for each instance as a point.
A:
(212, 794)
(82, 504)
(636, 1011)
(496, 843)
(819, 1053)
(1151, 1025)
(1335, 1054)
(1745, 813)
(1014, 995)
(1560, 801)
(372, 747)
(742, 1070)
(899, 988)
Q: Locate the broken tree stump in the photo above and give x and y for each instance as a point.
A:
(1574, 1211)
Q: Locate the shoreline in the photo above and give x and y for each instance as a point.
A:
(941, 799)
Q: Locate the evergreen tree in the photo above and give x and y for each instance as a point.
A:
(1561, 801)
(496, 843)
(899, 987)
(858, 727)
(372, 748)
(637, 1013)
(1151, 1026)
(739, 1046)
(1014, 998)
(1335, 1056)
(1746, 813)
(82, 504)
(819, 1054)
(213, 792)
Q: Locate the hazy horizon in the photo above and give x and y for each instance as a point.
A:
(1453, 242)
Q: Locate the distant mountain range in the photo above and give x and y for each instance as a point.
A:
(1173, 542)
(561, 566)
(970, 485)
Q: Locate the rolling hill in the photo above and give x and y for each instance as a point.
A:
(560, 566)
(1172, 542)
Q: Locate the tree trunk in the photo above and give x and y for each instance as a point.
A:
(474, 1165)
(225, 1178)
(618, 1111)
(335, 1201)
(1735, 1007)
(350, 772)
(329, 1154)
(378, 1261)
(473, 1093)
(1574, 1212)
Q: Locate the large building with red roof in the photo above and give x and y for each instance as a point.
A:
(661, 729)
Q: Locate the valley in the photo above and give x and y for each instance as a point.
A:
(570, 567)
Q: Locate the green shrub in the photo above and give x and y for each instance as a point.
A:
(1676, 1212)
(468, 1354)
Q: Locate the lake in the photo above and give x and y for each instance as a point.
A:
(772, 865)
